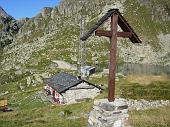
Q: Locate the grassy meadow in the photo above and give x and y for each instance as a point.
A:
(32, 112)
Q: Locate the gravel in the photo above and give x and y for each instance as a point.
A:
(146, 104)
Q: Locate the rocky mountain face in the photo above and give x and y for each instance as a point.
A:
(8, 28)
(30, 45)
(3, 13)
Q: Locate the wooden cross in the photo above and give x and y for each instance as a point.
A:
(116, 19)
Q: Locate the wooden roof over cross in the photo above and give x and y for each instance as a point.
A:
(129, 32)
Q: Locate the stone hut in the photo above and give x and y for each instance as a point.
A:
(66, 89)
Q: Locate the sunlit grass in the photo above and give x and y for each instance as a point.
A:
(147, 79)
(158, 117)
(144, 87)
(47, 116)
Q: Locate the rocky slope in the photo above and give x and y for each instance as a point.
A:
(9, 27)
(53, 34)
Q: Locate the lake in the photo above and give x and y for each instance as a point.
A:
(146, 69)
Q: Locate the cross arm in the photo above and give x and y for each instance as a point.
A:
(109, 34)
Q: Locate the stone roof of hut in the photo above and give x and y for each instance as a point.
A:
(62, 82)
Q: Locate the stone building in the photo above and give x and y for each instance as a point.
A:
(65, 88)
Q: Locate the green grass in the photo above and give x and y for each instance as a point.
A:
(158, 117)
(1, 56)
(153, 91)
(1, 26)
(156, 90)
(40, 114)
(32, 112)
(10, 76)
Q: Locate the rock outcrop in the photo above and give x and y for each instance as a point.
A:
(46, 12)
(9, 27)
(3, 13)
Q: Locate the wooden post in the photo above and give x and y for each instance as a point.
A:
(112, 65)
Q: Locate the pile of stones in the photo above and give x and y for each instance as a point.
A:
(115, 114)
(109, 114)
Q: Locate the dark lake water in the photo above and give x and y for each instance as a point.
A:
(129, 68)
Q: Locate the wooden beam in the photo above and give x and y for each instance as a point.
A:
(112, 65)
(127, 28)
(98, 24)
(124, 34)
(109, 34)
(103, 33)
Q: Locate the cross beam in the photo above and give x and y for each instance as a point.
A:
(109, 34)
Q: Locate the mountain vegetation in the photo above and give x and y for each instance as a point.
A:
(28, 46)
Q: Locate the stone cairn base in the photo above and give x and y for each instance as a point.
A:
(109, 114)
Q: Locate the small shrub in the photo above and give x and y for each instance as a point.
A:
(67, 112)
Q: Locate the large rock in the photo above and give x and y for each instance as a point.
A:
(46, 12)
(38, 78)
